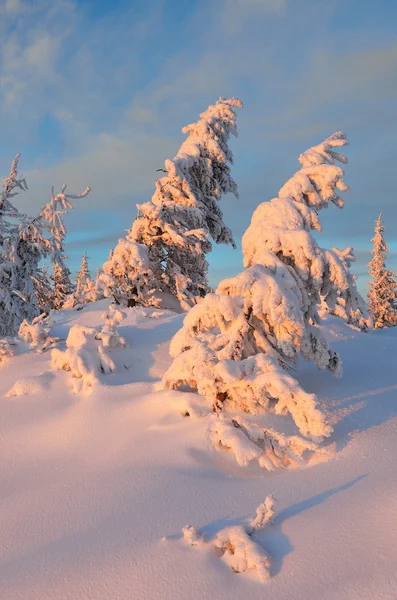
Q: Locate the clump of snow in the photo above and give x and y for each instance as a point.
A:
(84, 357)
(248, 442)
(27, 387)
(191, 536)
(228, 350)
(242, 553)
(36, 334)
(264, 513)
(235, 544)
(109, 335)
(7, 349)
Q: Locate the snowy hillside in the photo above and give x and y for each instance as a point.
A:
(95, 490)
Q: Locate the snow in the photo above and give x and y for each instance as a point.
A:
(95, 490)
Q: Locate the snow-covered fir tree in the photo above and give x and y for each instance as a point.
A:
(346, 302)
(84, 285)
(127, 277)
(182, 218)
(24, 242)
(62, 285)
(382, 296)
(43, 290)
(235, 346)
(52, 214)
(22, 247)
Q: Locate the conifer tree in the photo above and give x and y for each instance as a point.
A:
(127, 277)
(52, 214)
(84, 284)
(382, 296)
(236, 345)
(43, 290)
(182, 218)
(22, 246)
(24, 242)
(62, 285)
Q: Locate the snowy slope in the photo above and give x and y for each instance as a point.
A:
(94, 490)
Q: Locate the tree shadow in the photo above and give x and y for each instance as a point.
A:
(141, 361)
(358, 413)
(276, 542)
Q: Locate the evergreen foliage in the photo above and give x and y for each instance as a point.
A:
(382, 296)
(236, 345)
(182, 218)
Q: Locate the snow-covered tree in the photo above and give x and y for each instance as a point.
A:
(88, 351)
(43, 290)
(52, 214)
(83, 281)
(36, 334)
(84, 289)
(235, 346)
(382, 296)
(109, 335)
(24, 242)
(62, 284)
(127, 276)
(182, 218)
(346, 302)
(22, 245)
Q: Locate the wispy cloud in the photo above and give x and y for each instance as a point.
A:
(97, 94)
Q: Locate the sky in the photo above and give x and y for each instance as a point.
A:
(96, 92)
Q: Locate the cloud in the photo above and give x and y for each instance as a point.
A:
(117, 169)
(116, 89)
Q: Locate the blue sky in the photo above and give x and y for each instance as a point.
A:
(97, 92)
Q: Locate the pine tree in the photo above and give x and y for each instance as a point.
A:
(182, 218)
(43, 290)
(84, 285)
(127, 277)
(52, 215)
(24, 242)
(236, 345)
(382, 296)
(62, 284)
(22, 247)
(345, 301)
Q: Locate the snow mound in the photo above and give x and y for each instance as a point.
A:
(236, 545)
(27, 387)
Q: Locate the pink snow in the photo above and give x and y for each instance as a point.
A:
(95, 490)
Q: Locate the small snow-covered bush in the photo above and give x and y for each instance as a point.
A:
(36, 334)
(236, 544)
(7, 350)
(127, 276)
(109, 335)
(85, 357)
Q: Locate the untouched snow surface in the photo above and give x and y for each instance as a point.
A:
(94, 491)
